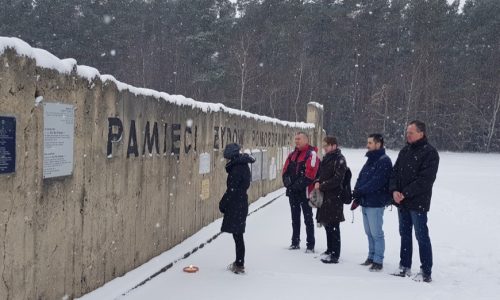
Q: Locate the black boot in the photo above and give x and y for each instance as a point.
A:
(376, 267)
(330, 260)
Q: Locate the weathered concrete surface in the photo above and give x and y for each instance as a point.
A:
(70, 235)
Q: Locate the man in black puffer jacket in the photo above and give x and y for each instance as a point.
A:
(234, 203)
(411, 184)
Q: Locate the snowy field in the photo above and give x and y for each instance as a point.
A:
(464, 227)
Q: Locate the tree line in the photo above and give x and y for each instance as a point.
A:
(374, 64)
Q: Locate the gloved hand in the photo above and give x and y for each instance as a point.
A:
(355, 204)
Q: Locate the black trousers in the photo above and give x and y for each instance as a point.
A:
(333, 239)
(240, 249)
(298, 203)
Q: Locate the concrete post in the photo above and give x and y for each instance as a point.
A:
(315, 115)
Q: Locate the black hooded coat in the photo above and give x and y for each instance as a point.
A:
(234, 203)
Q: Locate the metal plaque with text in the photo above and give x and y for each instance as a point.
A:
(7, 145)
(58, 136)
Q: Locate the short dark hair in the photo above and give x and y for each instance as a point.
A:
(330, 140)
(378, 138)
(420, 126)
(303, 133)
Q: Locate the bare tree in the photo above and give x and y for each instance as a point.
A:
(411, 89)
(273, 90)
(493, 121)
(356, 83)
(301, 72)
(381, 98)
(246, 67)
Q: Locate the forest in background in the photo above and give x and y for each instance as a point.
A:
(374, 65)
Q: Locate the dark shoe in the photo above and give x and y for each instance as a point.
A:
(330, 260)
(309, 250)
(236, 269)
(294, 247)
(367, 262)
(402, 272)
(376, 267)
(325, 254)
(421, 276)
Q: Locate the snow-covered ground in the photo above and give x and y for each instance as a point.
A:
(464, 227)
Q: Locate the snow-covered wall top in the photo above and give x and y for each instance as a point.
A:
(45, 59)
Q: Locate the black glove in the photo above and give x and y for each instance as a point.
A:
(355, 204)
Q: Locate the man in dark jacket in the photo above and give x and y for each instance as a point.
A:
(331, 213)
(299, 173)
(234, 203)
(372, 193)
(411, 184)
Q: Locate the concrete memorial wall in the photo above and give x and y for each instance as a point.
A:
(97, 177)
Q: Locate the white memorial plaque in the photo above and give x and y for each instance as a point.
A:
(204, 163)
(265, 165)
(284, 156)
(257, 165)
(58, 139)
(272, 169)
(278, 162)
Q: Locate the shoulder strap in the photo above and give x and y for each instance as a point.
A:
(294, 156)
(308, 154)
(340, 157)
(306, 157)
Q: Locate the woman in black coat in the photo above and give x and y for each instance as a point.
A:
(234, 203)
(331, 175)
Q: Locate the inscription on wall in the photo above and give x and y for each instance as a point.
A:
(156, 138)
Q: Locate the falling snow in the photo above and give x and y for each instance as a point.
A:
(276, 273)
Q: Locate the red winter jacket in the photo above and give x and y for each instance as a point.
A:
(300, 170)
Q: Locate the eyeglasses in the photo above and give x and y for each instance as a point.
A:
(412, 132)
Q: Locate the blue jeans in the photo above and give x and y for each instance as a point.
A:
(417, 219)
(298, 203)
(373, 219)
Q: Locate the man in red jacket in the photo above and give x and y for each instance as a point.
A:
(299, 174)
